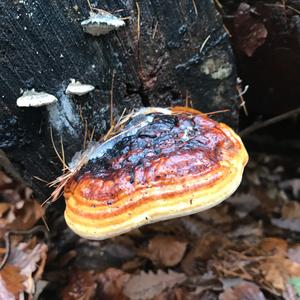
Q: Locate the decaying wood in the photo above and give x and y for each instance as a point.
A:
(43, 46)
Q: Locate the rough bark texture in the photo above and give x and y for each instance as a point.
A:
(42, 46)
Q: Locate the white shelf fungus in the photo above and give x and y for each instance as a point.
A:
(101, 23)
(32, 98)
(77, 88)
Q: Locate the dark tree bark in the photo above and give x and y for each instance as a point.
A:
(42, 46)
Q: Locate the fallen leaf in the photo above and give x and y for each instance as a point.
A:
(112, 282)
(39, 288)
(274, 246)
(244, 203)
(27, 259)
(254, 229)
(82, 285)
(294, 253)
(195, 227)
(132, 265)
(290, 217)
(18, 274)
(243, 291)
(233, 264)
(165, 251)
(11, 282)
(293, 185)
(291, 210)
(216, 215)
(203, 250)
(149, 285)
(204, 282)
(290, 224)
(174, 294)
(277, 270)
(18, 211)
(250, 31)
(66, 258)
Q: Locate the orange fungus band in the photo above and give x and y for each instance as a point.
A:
(165, 163)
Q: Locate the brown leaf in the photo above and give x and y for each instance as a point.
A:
(66, 258)
(165, 251)
(274, 246)
(112, 284)
(243, 291)
(244, 203)
(4, 207)
(18, 211)
(194, 226)
(294, 253)
(277, 270)
(293, 184)
(82, 285)
(251, 229)
(27, 259)
(216, 215)
(250, 32)
(174, 294)
(149, 285)
(290, 217)
(290, 224)
(203, 250)
(4, 180)
(132, 265)
(291, 210)
(11, 282)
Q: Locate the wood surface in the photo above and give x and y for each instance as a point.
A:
(168, 51)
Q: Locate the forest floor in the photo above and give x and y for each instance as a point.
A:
(248, 247)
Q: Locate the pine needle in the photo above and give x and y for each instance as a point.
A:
(57, 153)
(138, 21)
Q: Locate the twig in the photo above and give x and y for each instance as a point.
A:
(284, 7)
(58, 155)
(187, 99)
(89, 4)
(217, 2)
(195, 7)
(155, 29)
(125, 18)
(227, 30)
(284, 4)
(81, 115)
(18, 232)
(138, 20)
(282, 117)
(45, 223)
(85, 126)
(293, 9)
(217, 112)
(40, 179)
(85, 134)
(204, 43)
(62, 152)
(111, 99)
(92, 134)
(240, 94)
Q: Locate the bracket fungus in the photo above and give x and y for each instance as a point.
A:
(77, 88)
(32, 98)
(101, 23)
(160, 164)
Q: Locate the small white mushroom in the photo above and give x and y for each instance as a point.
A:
(35, 99)
(78, 88)
(101, 23)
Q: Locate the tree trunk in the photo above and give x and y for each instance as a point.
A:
(168, 51)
